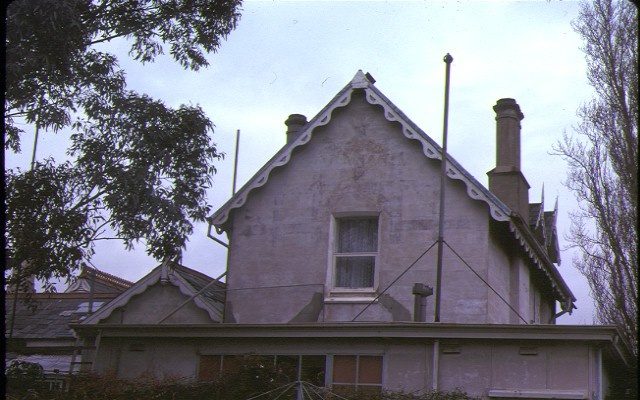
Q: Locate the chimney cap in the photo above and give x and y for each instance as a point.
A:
(295, 119)
(294, 124)
(507, 104)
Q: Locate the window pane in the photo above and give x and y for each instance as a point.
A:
(209, 369)
(287, 368)
(357, 235)
(354, 271)
(344, 369)
(370, 370)
(313, 368)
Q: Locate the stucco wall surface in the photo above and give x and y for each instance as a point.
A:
(156, 303)
(408, 364)
(358, 163)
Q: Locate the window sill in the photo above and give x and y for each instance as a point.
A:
(350, 297)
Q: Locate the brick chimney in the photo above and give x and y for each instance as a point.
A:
(294, 124)
(506, 180)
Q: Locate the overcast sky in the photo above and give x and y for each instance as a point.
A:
(293, 57)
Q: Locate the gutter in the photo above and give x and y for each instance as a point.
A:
(363, 330)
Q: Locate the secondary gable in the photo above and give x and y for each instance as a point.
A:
(171, 293)
(154, 304)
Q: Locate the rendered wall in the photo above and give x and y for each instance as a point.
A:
(154, 304)
(513, 365)
(359, 162)
(131, 358)
(472, 366)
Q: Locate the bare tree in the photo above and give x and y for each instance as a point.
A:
(602, 157)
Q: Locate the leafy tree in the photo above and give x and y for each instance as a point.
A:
(603, 164)
(138, 168)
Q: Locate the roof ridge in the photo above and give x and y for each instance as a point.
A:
(104, 276)
(190, 271)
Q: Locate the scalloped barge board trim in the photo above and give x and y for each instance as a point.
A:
(498, 210)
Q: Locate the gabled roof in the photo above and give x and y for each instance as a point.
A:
(535, 214)
(551, 233)
(475, 190)
(206, 292)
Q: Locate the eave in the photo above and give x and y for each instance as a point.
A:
(538, 255)
(607, 336)
(408, 330)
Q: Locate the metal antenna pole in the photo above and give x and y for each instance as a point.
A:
(443, 172)
(35, 146)
(235, 163)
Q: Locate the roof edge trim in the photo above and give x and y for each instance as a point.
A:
(138, 288)
(189, 291)
(475, 190)
(281, 158)
(541, 260)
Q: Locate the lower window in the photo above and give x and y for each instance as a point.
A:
(354, 373)
(278, 368)
(350, 374)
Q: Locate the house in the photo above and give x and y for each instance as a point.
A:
(37, 324)
(332, 270)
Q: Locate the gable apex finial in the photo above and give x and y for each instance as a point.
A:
(360, 80)
(164, 273)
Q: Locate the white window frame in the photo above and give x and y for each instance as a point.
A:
(336, 293)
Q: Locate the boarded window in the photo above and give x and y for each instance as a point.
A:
(344, 369)
(352, 373)
(370, 370)
(356, 249)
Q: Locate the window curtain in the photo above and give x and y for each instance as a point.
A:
(356, 236)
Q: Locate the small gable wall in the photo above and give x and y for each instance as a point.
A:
(359, 162)
(154, 304)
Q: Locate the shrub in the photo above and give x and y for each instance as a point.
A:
(254, 377)
(24, 377)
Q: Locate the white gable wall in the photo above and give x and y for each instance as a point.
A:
(359, 163)
(154, 304)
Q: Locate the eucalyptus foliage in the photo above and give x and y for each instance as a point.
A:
(139, 169)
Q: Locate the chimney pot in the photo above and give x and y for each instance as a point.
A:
(294, 124)
(508, 105)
